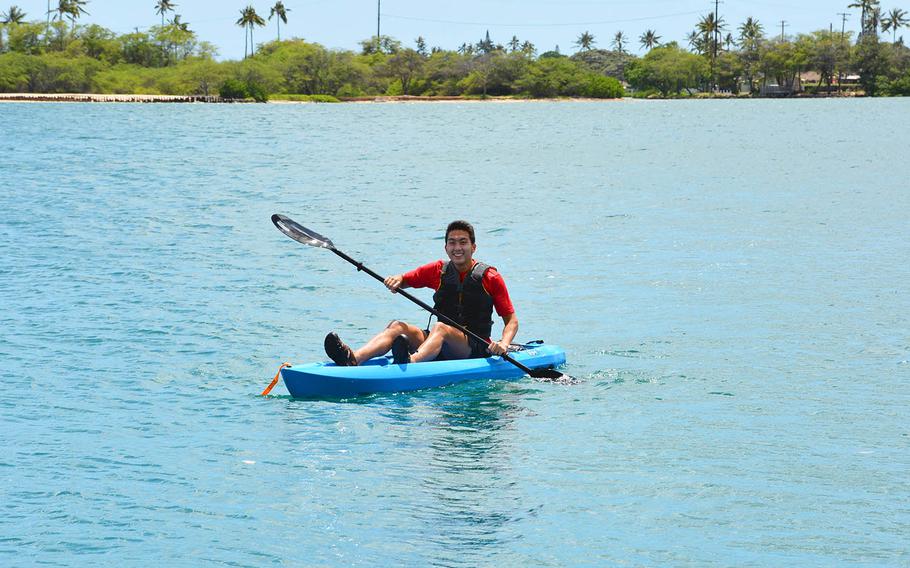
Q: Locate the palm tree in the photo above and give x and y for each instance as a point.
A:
(709, 26)
(71, 9)
(279, 10)
(162, 7)
(585, 41)
(649, 40)
(751, 31)
(619, 42)
(13, 16)
(893, 20)
(486, 45)
(867, 7)
(248, 19)
(182, 26)
(696, 42)
(514, 44)
(528, 48)
(729, 41)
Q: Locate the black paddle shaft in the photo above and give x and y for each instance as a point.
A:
(433, 311)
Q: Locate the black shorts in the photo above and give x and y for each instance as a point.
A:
(478, 348)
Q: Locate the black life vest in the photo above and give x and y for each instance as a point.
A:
(466, 301)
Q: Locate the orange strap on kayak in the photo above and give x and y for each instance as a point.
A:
(274, 382)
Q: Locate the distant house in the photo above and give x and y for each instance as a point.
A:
(770, 88)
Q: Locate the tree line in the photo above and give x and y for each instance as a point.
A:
(60, 54)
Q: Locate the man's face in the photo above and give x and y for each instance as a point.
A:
(459, 248)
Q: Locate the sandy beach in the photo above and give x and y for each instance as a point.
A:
(120, 98)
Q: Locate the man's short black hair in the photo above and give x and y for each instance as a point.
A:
(461, 225)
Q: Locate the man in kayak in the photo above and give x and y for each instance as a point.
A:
(466, 291)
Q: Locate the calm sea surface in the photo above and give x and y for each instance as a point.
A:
(729, 278)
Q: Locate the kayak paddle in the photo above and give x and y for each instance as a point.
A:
(303, 235)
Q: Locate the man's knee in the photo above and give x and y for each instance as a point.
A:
(397, 326)
(440, 328)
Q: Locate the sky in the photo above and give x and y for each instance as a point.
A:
(343, 24)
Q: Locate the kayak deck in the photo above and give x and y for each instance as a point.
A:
(380, 374)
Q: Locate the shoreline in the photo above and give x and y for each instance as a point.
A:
(380, 99)
(102, 98)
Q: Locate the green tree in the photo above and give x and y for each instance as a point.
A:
(25, 38)
(101, 43)
(751, 36)
(421, 45)
(709, 28)
(869, 59)
(619, 42)
(552, 77)
(486, 44)
(867, 16)
(893, 21)
(782, 61)
(248, 20)
(73, 9)
(667, 69)
(649, 40)
(585, 41)
(178, 41)
(282, 15)
(604, 61)
(514, 44)
(405, 66)
(12, 17)
(384, 44)
(162, 7)
(729, 71)
(825, 53)
(697, 42)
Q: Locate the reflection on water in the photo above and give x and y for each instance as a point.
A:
(468, 485)
(448, 460)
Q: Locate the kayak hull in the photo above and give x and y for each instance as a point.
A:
(380, 374)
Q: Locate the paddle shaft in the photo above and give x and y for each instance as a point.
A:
(430, 309)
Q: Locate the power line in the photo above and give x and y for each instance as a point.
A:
(539, 25)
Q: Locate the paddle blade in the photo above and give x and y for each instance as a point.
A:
(300, 233)
(553, 375)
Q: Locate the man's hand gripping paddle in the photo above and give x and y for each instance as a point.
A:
(305, 236)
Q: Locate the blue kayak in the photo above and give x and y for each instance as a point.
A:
(380, 374)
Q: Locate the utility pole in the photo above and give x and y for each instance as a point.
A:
(716, 32)
(843, 25)
(843, 32)
(783, 24)
(378, 12)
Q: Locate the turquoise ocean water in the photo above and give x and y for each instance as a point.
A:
(729, 279)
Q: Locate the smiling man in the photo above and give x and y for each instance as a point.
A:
(466, 291)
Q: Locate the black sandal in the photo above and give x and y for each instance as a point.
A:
(401, 350)
(338, 352)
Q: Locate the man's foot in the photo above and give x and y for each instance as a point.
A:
(401, 350)
(338, 352)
